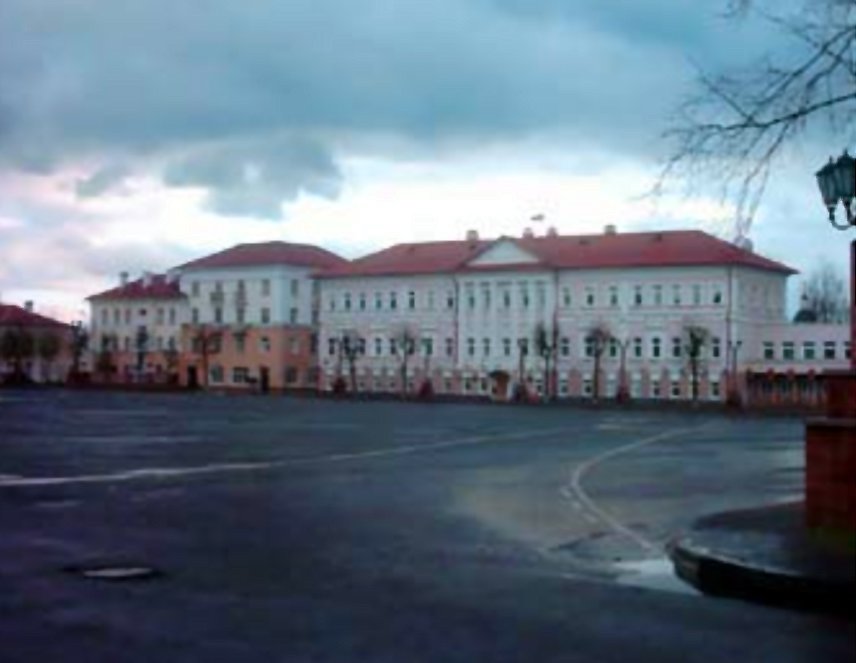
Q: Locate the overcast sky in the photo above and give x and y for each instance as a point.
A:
(142, 134)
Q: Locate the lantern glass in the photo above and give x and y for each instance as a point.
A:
(845, 177)
(826, 184)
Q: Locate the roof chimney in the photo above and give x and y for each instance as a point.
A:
(528, 234)
(123, 278)
(552, 232)
(28, 305)
(472, 235)
(148, 277)
(609, 229)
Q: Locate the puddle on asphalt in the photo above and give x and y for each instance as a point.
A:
(657, 574)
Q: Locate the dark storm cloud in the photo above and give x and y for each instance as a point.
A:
(86, 77)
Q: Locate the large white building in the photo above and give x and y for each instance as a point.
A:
(473, 307)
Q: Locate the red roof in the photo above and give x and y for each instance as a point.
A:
(268, 253)
(681, 248)
(17, 316)
(159, 287)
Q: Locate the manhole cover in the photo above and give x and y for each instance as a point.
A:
(114, 572)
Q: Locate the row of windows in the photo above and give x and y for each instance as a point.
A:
(636, 347)
(161, 315)
(239, 343)
(242, 375)
(240, 316)
(241, 287)
(129, 343)
(483, 297)
(808, 350)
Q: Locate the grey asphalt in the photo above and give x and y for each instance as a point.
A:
(302, 530)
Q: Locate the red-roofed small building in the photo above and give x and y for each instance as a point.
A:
(135, 329)
(33, 347)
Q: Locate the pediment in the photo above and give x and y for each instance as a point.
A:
(503, 252)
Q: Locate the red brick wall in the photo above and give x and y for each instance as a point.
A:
(831, 473)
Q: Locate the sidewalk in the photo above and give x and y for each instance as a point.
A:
(767, 555)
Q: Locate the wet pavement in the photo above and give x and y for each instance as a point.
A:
(287, 529)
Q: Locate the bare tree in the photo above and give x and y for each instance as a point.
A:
(404, 338)
(695, 340)
(546, 345)
(824, 297)
(16, 346)
(48, 346)
(79, 343)
(352, 346)
(206, 342)
(141, 346)
(104, 361)
(732, 130)
(597, 338)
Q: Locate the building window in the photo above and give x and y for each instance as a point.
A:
(347, 301)
(239, 315)
(637, 295)
(471, 347)
(294, 345)
(104, 316)
(696, 295)
(291, 375)
(292, 315)
(566, 297)
(613, 348)
(655, 389)
(714, 389)
(194, 288)
(471, 298)
(393, 300)
(676, 347)
(194, 316)
(450, 300)
(127, 316)
(524, 295)
(331, 346)
(411, 300)
(240, 374)
(239, 343)
(506, 347)
(172, 316)
(295, 287)
(563, 387)
(587, 387)
(523, 345)
(589, 346)
(637, 347)
(676, 295)
(378, 347)
(829, 349)
(769, 350)
(716, 347)
(427, 346)
(506, 298)
(717, 296)
(264, 344)
(809, 350)
(159, 316)
(216, 373)
(265, 287)
(362, 301)
(486, 347)
(613, 295)
(218, 315)
(313, 344)
(656, 349)
(565, 345)
(378, 301)
(589, 296)
(788, 350)
(658, 295)
(486, 296)
(676, 389)
(393, 347)
(540, 295)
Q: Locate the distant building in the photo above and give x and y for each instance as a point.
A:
(465, 317)
(32, 346)
(135, 329)
(252, 316)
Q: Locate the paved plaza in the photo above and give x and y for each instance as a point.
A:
(288, 529)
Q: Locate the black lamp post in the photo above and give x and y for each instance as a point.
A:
(837, 183)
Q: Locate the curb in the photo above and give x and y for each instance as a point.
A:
(722, 576)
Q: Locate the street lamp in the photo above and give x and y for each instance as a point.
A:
(837, 183)
(733, 396)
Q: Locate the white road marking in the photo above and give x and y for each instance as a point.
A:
(222, 468)
(576, 494)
